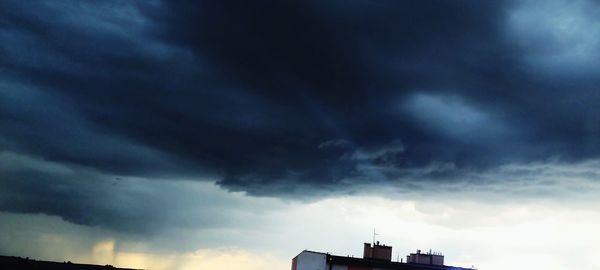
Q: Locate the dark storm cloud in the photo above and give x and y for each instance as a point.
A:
(291, 98)
(132, 205)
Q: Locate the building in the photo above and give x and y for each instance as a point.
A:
(375, 257)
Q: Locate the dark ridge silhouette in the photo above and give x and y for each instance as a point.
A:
(18, 263)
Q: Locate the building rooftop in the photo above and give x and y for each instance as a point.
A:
(376, 263)
(375, 256)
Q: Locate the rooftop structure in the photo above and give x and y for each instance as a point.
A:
(425, 258)
(377, 251)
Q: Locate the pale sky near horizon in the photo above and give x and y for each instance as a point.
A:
(219, 134)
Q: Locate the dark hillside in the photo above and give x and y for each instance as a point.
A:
(17, 263)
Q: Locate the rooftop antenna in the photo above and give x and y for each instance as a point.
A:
(374, 233)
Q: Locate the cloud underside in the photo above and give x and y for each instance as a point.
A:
(296, 100)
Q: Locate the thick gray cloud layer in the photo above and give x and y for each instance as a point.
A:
(291, 99)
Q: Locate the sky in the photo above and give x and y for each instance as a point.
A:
(214, 134)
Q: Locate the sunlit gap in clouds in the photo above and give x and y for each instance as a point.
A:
(495, 234)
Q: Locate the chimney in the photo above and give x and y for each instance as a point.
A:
(377, 251)
(367, 251)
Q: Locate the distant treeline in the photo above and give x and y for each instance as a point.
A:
(17, 263)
